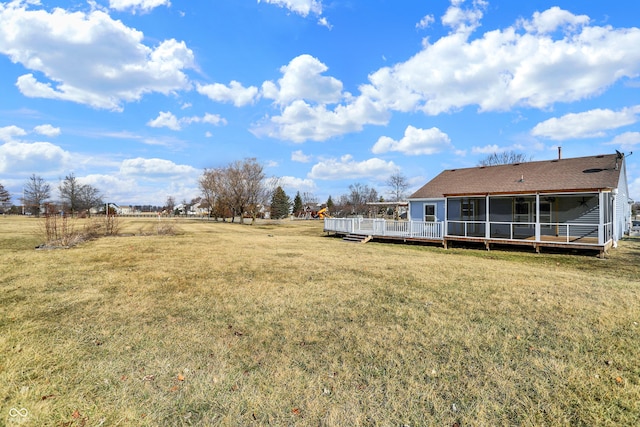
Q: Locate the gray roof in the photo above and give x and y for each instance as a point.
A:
(562, 175)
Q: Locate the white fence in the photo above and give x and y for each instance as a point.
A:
(564, 232)
(382, 228)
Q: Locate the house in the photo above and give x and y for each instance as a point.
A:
(578, 203)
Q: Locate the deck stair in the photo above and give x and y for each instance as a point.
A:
(357, 238)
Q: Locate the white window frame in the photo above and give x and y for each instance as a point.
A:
(428, 217)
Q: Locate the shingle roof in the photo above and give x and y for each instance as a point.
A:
(575, 174)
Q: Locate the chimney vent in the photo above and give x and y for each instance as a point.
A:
(559, 153)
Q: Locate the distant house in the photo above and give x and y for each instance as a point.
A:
(572, 203)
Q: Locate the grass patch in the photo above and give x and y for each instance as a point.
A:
(277, 324)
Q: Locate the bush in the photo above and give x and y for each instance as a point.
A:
(62, 231)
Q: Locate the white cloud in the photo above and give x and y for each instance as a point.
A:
(299, 156)
(155, 168)
(18, 157)
(589, 124)
(415, 142)
(425, 22)
(488, 149)
(291, 184)
(634, 189)
(47, 130)
(88, 58)
(169, 120)
(523, 65)
(235, 93)
(300, 121)
(464, 20)
(347, 168)
(552, 19)
(626, 141)
(301, 7)
(303, 80)
(111, 182)
(313, 106)
(212, 119)
(141, 189)
(7, 133)
(165, 119)
(494, 148)
(324, 23)
(134, 5)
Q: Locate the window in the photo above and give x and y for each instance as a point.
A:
(430, 213)
(468, 209)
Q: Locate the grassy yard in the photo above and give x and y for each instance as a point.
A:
(278, 324)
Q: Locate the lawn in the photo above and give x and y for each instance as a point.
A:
(280, 324)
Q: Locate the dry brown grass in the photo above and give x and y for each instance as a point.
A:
(277, 324)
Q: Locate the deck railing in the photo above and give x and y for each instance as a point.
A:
(382, 228)
(567, 232)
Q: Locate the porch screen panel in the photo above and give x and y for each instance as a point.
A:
(454, 214)
(578, 216)
(466, 216)
(524, 210)
(500, 216)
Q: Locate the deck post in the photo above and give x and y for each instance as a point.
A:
(487, 225)
(445, 227)
(537, 217)
(601, 228)
(613, 226)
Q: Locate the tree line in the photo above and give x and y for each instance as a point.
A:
(241, 190)
(75, 197)
(237, 190)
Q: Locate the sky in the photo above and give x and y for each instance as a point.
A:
(138, 97)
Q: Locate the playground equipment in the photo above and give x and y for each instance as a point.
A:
(323, 213)
(311, 214)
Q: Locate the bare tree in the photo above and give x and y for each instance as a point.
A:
(36, 192)
(89, 197)
(217, 188)
(255, 191)
(398, 185)
(359, 196)
(212, 185)
(309, 199)
(5, 198)
(76, 196)
(504, 158)
(170, 204)
(240, 188)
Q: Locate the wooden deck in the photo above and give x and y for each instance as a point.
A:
(410, 231)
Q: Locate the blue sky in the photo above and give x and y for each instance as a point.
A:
(137, 97)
